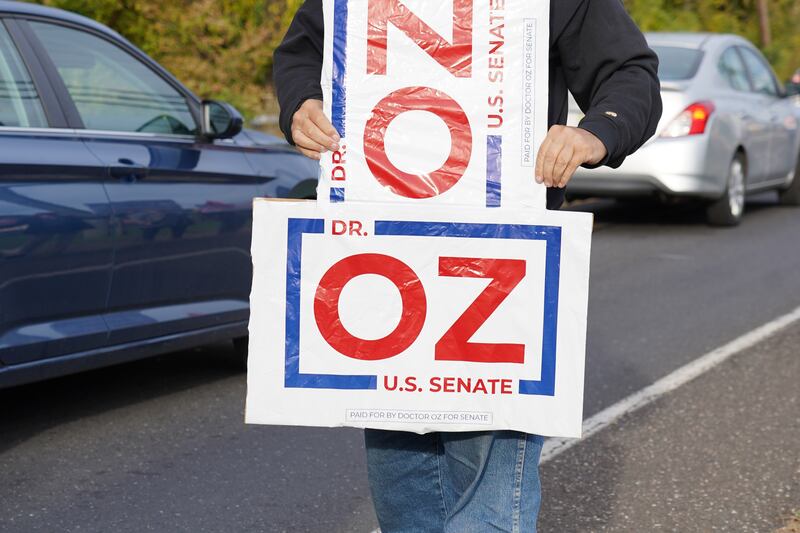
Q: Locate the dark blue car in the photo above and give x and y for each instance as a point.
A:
(125, 201)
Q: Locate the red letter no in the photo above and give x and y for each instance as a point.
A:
(326, 307)
(455, 57)
(418, 99)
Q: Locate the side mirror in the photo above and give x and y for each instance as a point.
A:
(792, 89)
(221, 120)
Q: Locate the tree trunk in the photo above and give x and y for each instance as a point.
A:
(763, 19)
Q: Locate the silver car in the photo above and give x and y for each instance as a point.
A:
(728, 129)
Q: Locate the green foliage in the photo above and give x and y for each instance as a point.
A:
(223, 48)
(728, 16)
(219, 48)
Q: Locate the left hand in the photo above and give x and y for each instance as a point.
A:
(563, 151)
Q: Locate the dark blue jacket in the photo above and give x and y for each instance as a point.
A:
(596, 52)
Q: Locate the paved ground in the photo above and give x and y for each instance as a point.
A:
(159, 445)
(666, 288)
(721, 453)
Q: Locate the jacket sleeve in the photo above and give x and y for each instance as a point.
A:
(297, 63)
(613, 75)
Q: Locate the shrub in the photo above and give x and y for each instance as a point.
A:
(223, 48)
(219, 48)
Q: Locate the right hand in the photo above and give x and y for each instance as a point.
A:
(312, 132)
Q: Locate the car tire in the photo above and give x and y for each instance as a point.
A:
(791, 195)
(728, 210)
(240, 348)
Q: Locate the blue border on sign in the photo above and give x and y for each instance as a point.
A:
(337, 195)
(494, 170)
(339, 96)
(293, 379)
(551, 235)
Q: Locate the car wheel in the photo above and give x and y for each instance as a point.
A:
(240, 347)
(728, 210)
(791, 196)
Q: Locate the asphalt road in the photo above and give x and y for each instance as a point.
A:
(721, 453)
(160, 445)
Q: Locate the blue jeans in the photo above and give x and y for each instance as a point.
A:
(454, 482)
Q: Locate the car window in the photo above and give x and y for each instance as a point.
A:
(676, 63)
(113, 90)
(20, 106)
(760, 73)
(733, 71)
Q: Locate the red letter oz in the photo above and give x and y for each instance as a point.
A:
(326, 307)
(506, 275)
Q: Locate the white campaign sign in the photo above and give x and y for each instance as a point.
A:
(395, 316)
(437, 102)
(370, 308)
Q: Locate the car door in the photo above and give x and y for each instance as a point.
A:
(758, 123)
(738, 99)
(182, 205)
(56, 246)
(781, 137)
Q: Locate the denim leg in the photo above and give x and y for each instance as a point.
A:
(491, 481)
(404, 477)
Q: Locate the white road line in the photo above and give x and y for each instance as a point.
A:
(554, 447)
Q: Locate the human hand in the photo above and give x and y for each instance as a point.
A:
(563, 151)
(312, 132)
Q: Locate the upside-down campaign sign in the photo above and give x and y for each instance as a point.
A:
(427, 289)
(401, 317)
(463, 82)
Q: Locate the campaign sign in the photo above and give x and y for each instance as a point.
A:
(436, 102)
(394, 316)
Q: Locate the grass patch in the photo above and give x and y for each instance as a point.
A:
(793, 525)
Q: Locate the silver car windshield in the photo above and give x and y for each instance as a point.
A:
(677, 63)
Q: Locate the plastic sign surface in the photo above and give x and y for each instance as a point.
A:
(436, 102)
(395, 316)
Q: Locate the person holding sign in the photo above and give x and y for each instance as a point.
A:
(482, 481)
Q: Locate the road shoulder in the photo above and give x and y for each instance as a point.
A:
(721, 453)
